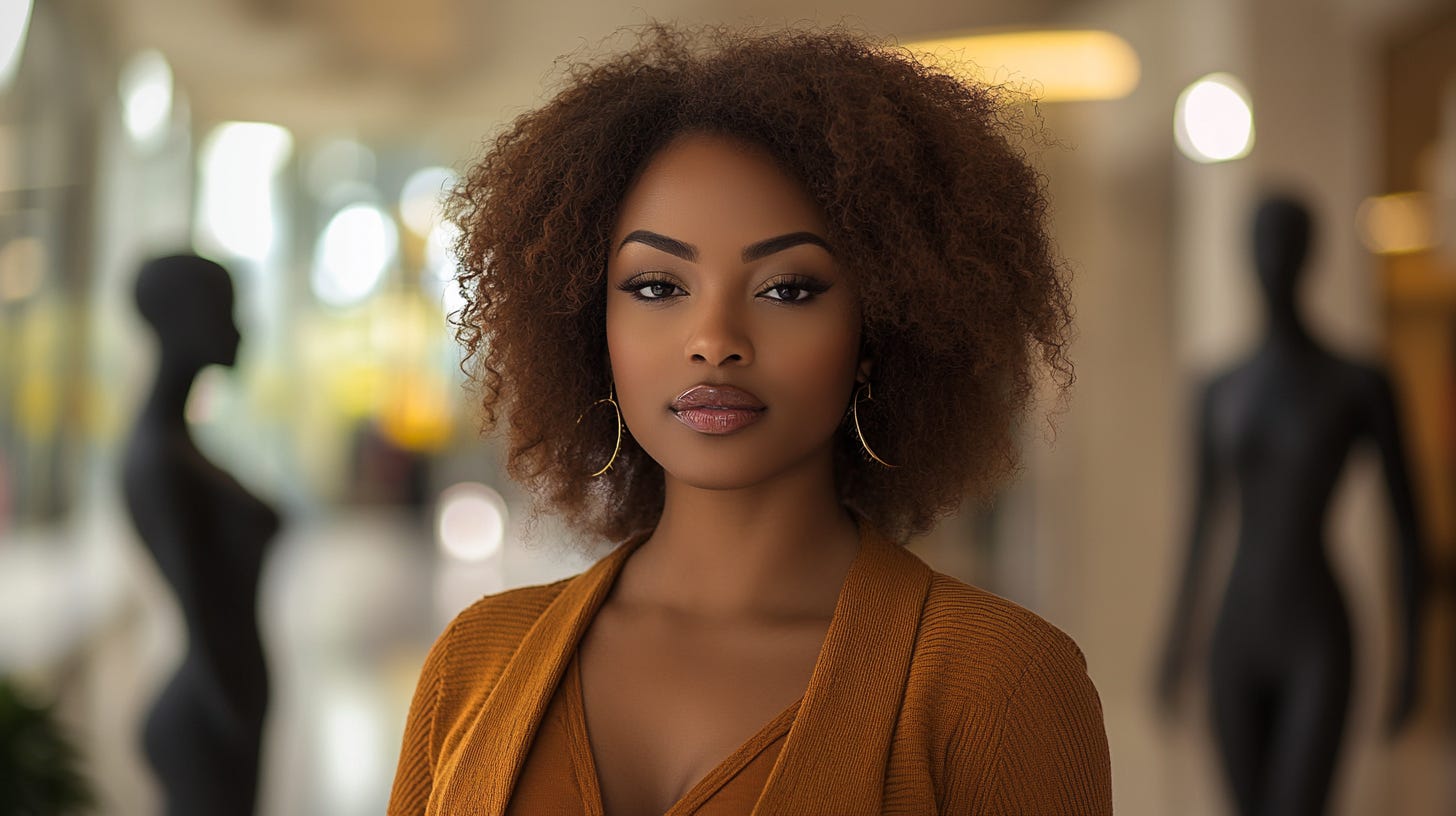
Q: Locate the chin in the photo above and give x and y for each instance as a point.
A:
(746, 467)
(721, 479)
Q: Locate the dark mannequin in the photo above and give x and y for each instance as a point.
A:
(208, 536)
(1280, 424)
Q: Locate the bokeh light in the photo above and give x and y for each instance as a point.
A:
(350, 730)
(356, 249)
(1213, 120)
(240, 161)
(471, 521)
(1397, 224)
(419, 201)
(14, 23)
(1062, 66)
(441, 268)
(145, 86)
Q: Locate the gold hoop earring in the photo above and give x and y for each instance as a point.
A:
(617, 410)
(865, 389)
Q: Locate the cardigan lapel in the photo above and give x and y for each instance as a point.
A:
(483, 769)
(836, 749)
(839, 744)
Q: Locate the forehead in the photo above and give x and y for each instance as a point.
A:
(709, 189)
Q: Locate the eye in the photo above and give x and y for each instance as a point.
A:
(644, 288)
(657, 290)
(789, 292)
(794, 290)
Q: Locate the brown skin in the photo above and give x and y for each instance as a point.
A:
(716, 621)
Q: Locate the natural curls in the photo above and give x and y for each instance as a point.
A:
(933, 209)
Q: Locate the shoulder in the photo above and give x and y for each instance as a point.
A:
(469, 656)
(486, 633)
(976, 632)
(977, 654)
(509, 610)
(459, 672)
(1024, 728)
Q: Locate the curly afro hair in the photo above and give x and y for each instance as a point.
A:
(935, 213)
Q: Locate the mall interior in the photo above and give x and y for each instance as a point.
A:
(304, 145)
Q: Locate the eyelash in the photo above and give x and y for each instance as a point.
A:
(809, 286)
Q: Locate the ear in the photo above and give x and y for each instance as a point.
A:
(866, 366)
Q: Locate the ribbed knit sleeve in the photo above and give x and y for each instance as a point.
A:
(413, 777)
(460, 670)
(1050, 754)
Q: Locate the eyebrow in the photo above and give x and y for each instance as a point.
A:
(752, 252)
(671, 246)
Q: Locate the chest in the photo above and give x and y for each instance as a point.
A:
(1290, 425)
(666, 702)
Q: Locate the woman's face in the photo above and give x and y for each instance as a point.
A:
(733, 334)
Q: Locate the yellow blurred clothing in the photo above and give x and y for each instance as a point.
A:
(928, 696)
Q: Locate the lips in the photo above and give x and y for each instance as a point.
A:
(717, 409)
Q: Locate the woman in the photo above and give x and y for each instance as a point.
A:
(759, 308)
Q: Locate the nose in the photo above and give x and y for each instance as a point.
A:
(719, 337)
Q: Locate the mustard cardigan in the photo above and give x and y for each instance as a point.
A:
(929, 696)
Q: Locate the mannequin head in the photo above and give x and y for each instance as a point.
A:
(934, 273)
(1281, 242)
(188, 302)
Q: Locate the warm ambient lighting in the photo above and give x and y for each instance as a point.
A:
(1065, 66)
(471, 521)
(1213, 120)
(1397, 223)
(14, 22)
(145, 85)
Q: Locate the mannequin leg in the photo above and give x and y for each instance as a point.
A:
(1243, 720)
(1307, 736)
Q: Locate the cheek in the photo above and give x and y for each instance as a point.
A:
(639, 358)
(819, 363)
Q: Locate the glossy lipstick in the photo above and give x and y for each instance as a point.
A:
(716, 409)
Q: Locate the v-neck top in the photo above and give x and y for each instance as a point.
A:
(560, 775)
(928, 696)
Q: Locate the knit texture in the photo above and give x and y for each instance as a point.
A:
(929, 696)
(560, 776)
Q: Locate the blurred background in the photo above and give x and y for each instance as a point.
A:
(304, 144)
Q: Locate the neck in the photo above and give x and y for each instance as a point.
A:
(1285, 328)
(778, 549)
(167, 403)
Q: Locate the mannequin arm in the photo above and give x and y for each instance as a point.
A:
(1205, 478)
(1410, 574)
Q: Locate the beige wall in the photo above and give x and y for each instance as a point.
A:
(1165, 295)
